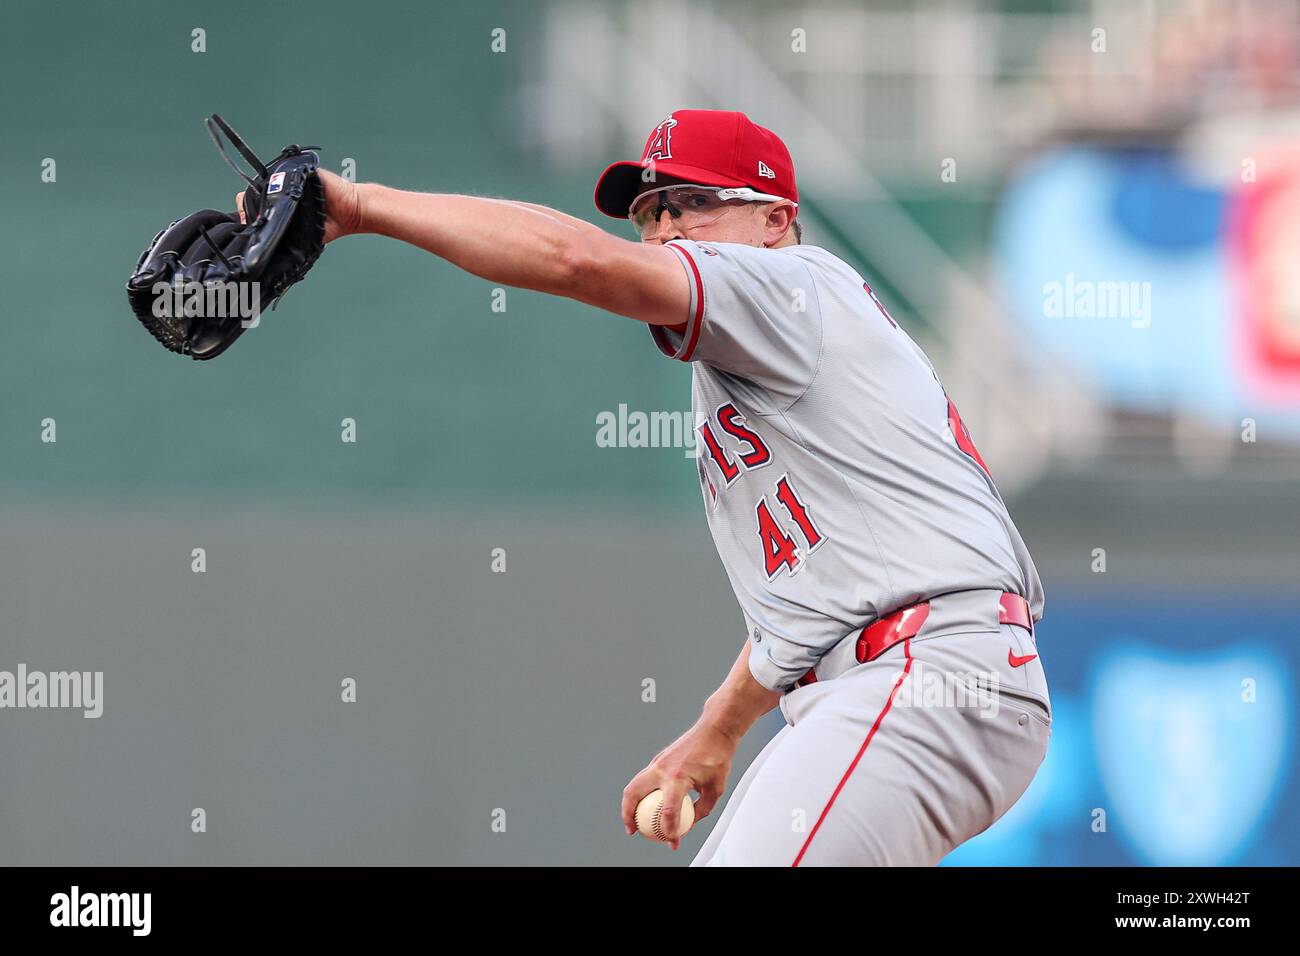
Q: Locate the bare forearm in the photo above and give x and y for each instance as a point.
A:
(738, 703)
(512, 243)
(518, 244)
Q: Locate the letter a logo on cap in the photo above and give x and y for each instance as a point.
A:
(765, 170)
(660, 145)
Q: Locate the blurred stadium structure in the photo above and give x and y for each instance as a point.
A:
(1170, 159)
(878, 100)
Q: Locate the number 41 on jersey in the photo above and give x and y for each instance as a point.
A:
(779, 548)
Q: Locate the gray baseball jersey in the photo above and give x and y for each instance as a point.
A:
(838, 478)
(841, 486)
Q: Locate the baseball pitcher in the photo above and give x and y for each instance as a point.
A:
(889, 602)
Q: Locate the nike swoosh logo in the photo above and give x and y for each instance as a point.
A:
(1018, 661)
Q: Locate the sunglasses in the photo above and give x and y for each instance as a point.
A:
(692, 205)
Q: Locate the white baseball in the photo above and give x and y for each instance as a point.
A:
(649, 816)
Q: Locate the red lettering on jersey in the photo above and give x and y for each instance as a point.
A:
(778, 548)
(730, 470)
(962, 436)
(790, 501)
(733, 423)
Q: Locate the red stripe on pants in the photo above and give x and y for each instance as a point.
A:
(907, 650)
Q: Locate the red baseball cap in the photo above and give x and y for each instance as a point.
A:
(705, 147)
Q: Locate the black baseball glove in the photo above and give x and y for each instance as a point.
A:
(204, 278)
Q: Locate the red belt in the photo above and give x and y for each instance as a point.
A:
(883, 633)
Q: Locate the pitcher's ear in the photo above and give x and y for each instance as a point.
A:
(780, 215)
(778, 220)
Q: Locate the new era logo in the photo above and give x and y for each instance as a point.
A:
(765, 170)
